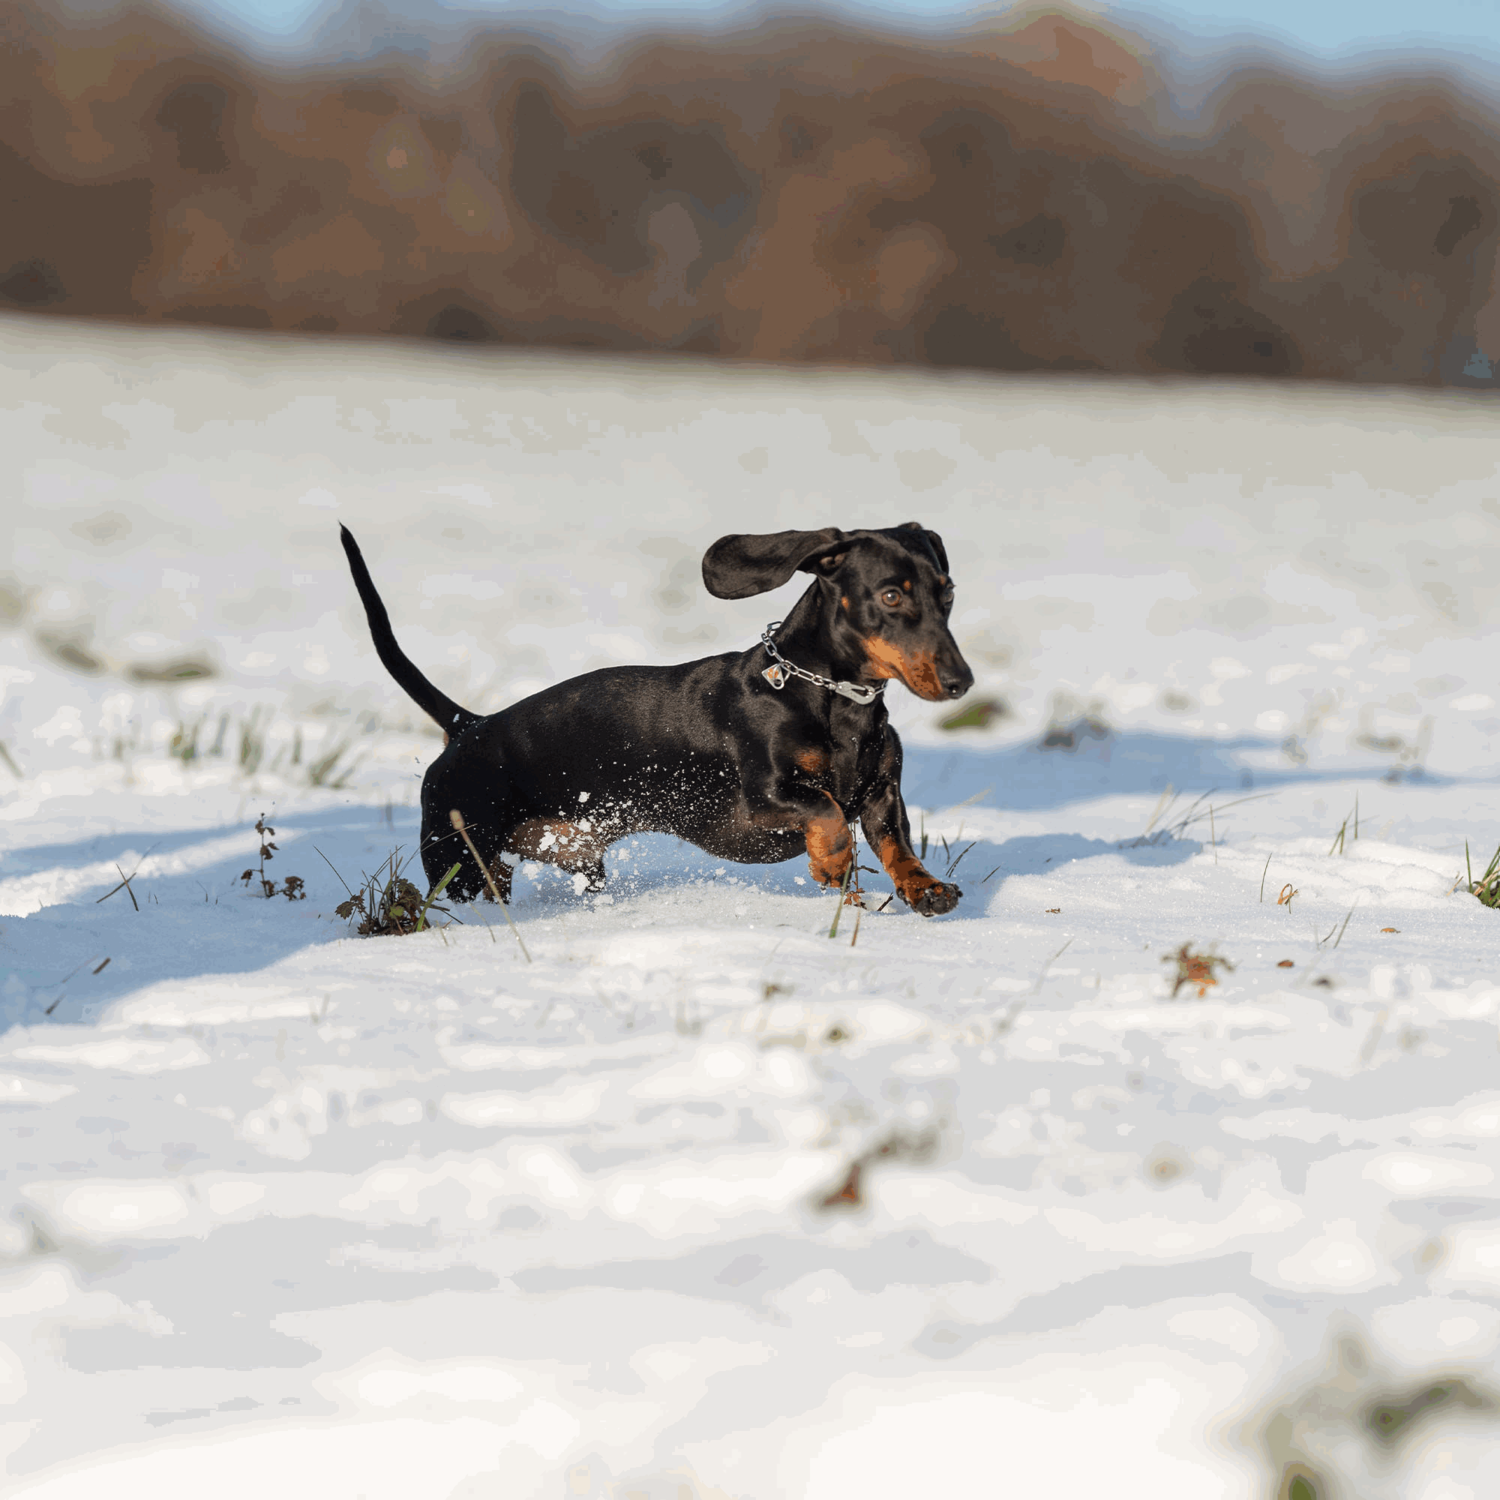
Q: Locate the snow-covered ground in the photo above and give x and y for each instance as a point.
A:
(701, 1202)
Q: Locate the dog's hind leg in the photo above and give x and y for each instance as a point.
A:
(591, 872)
(500, 873)
(475, 849)
(576, 848)
(469, 883)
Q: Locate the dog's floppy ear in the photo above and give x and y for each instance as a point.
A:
(933, 540)
(736, 567)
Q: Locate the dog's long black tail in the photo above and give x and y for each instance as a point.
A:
(448, 714)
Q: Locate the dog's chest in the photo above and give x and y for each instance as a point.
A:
(840, 763)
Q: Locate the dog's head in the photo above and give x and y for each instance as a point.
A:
(889, 591)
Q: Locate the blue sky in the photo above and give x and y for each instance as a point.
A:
(1329, 28)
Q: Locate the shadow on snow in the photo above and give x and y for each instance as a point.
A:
(204, 921)
(1025, 777)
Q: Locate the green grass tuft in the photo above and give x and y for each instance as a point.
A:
(1487, 887)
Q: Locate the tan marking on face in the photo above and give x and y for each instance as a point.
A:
(555, 841)
(905, 871)
(845, 602)
(814, 762)
(830, 850)
(917, 669)
(907, 585)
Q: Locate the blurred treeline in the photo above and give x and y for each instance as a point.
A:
(1021, 198)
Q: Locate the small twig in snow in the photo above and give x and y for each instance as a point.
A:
(124, 885)
(332, 867)
(1036, 989)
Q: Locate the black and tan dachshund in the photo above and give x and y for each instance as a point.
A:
(753, 756)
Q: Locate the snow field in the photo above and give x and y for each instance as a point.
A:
(701, 1201)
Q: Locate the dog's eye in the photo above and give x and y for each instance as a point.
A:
(947, 600)
(891, 598)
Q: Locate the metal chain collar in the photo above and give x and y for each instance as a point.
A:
(781, 669)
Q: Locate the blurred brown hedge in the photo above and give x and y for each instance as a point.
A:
(1014, 200)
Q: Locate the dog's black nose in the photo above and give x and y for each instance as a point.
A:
(956, 684)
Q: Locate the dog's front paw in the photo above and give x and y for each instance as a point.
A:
(935, 899)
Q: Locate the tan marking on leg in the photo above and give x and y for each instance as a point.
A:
(557, 842)
(501, 873)
(917, 669)
(813, 761)
(905, 870)
(830, 850)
